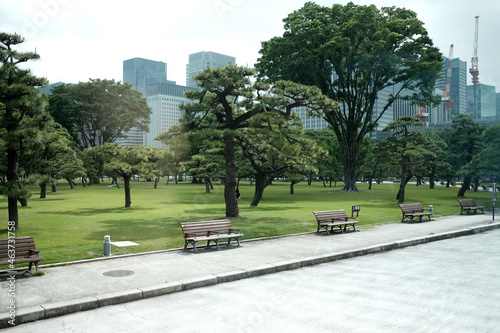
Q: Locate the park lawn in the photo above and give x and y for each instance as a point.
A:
(70, 224)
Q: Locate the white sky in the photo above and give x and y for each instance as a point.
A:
(78, 40)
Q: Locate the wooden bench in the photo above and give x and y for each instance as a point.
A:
(334, 218)
(19, 250)
(468, 205)
(414, 210)
(209, 231)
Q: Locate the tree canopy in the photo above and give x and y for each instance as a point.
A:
(352, 53)
(228, 100)
(21, 113)
(98, 111)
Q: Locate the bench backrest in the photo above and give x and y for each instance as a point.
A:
(467, 202)
(203, 227)
(20, 245)
(331, 216)
(411, 208)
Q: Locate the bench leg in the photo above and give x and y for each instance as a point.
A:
(217, 243)
(36, 266)
(30, 266)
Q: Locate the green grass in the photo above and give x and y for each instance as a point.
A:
(71, 224)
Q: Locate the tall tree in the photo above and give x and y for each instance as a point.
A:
(489, 157)
(274, 146)
(228, 95)
(410, 146)
(48, 155)
(20, 101)
(351, 53)
(465, 143)
(98, 111)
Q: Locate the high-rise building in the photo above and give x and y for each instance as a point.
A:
(140, 73)
(201, 60)
(458, 85)
(164, 100)
(486, 101)
(310, 122)
(498, 104)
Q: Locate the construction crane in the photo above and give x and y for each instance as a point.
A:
(474, 70)
(446, 88)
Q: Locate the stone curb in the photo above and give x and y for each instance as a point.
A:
(45, 311)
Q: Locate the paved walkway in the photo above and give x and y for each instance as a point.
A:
(91, 284)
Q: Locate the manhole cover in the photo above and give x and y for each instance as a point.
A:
(118, 273)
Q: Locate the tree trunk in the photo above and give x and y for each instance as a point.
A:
(465, 186)
(350, 179)
(432, 178)
(207, 185)
(157, 179)
(54, 188)
(12, 159)
(259, 190)
(230, 179)
(292, 191)
(43, 190)
(405, 178)
(350, 163)
(126, 184)
(71, 183)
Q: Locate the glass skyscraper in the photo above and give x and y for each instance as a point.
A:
(486, 101)
(201, 60)
(140, 73)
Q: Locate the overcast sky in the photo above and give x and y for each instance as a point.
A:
(78, 40)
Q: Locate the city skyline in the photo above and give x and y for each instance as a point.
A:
(99, 35)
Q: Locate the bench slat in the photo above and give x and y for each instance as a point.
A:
(333, 218)
(209, 231)
(23, 248)
(414, 210)
(468, 205)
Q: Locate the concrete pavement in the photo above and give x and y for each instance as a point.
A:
(96, 283)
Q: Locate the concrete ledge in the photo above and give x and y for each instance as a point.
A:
(23, 316)
(410, 242)
(287, 265)
(486, 227)
(261, 270)
(161, 289)
(118, 297)
(311, 261)
(75, 305)
(203, 281)
(231, 276)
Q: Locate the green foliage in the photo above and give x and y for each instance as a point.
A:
(488, 160)
(228, 102)
(98, 111)
(367, 49)
(21, 114)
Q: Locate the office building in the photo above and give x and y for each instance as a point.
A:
(485, 99)
(458, 86)
(498, 104)
(164, 100)
(140, 73)
(201, 60)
